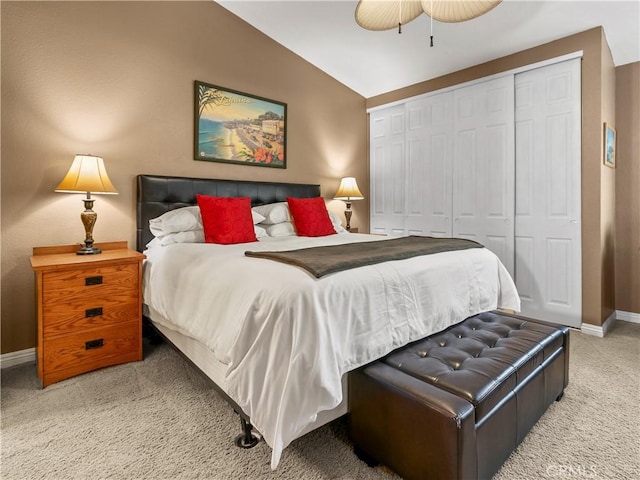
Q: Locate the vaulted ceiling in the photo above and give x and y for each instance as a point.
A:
(324, 32)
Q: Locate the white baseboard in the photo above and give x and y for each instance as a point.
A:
(20, 357)
(628, 316)
(601, 330)
(589, 329)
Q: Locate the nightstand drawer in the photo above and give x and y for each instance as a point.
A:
(82, 314)
(103, 282)
(85, 351)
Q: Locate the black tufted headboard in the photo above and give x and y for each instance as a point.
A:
(159, 194)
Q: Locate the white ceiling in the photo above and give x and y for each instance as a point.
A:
(325, 33)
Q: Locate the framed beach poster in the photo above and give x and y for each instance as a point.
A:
(235, 127)
(609, 146)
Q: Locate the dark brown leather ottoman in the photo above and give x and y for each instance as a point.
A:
(456, 404)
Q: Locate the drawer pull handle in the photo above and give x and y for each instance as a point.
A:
(91, 344)
(93, 312)
(88, 281)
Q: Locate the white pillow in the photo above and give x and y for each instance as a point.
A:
(154, 243)
(192, 236)
(282, 229)
(257, 218)
(287, 229)
(179, 220)
(260, 232)
(183, 219)
(273, 213)
(335, 221)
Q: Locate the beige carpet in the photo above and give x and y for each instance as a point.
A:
(159, 419)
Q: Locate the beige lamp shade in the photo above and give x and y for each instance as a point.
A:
(348, 190)
(87, 174)
(451, 11)
(386, 14)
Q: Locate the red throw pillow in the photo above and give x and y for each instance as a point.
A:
(310, 217)
(226, 220)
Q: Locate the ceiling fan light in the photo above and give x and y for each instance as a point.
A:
(386, 14)
(451, 11)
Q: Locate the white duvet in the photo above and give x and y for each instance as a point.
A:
(288, 337)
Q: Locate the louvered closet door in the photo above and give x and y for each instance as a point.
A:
(548, 189)
(483, 168)
(429, 165)
(387, 130)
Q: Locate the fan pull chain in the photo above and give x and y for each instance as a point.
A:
(400, 18)
(431, 17)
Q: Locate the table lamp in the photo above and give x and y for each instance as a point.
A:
(87, 174)
(348, 191)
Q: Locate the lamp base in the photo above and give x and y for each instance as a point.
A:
(347, 216)
(88, 218)
(86, 250)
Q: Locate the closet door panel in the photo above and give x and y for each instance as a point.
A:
(415, 204)
(465, 179)
(387, 165)
(429, 145)
(548, 178)
(439, 191)
(483, 166)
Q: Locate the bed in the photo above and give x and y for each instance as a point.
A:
(277, 342)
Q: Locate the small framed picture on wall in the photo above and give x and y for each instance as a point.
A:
(609, 157)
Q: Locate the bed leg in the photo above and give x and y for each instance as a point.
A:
(150, 332)
(246, 439)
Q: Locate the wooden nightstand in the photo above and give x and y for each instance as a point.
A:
(89, 309)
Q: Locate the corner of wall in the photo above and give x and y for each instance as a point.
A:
(627, 194)
(607, 183)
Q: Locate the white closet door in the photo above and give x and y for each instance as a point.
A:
(387, 150)
(483, 166)
(548, 188)
(429, 165)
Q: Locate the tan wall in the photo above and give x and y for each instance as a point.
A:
(607, 186)
(116, 79)
(627, 244)
(597, 263)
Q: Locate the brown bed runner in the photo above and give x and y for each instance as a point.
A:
(320, 261)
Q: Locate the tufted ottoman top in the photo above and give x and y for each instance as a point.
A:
(481, 359)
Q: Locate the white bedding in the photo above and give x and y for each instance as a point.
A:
(288, 337)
